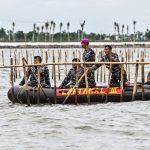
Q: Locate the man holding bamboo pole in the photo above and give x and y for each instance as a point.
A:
(116, 68)
(75, 72)
(32, 72)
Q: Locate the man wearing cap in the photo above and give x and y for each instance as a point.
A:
(115, 70)
(32, 74)
(88, 56)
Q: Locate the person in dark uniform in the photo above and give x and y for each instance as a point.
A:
(70, 80)
(148, 79)
(116, 68)
(88, 56)
(32, 74)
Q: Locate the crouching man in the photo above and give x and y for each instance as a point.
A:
(32, 74)
(75, 72)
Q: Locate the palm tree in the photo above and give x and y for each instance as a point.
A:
(54, 25)
(127, 35)
(61, 25)
(46, 30)
(50, 29)
(82, 28)
(42, 28)
(127, 30)
(38, 30)
(118, 30)
(34, 29)
(123, 32)
(134, 24)
(68, 26)
(13, 30)
(115, 28)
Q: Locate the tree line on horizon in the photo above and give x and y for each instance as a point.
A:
(46, 33)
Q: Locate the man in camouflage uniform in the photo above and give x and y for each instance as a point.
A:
(32, 72)
(75, 72)
(88, 56)
(116, 68)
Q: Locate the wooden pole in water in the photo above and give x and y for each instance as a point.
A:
(87, 85)
(108, 85)
(15, 69)
(46, 56)
(142, 75)
(27, 55)
(101, 69)
(104, 73)
(38, 96)
(59, 65)
(128, 72)
(77, 75)
(135, 82)
(65, 61)
(12, 80)
(121, 84)
(3, 57)
(98, 59)
(54, 77)
(26, 84)
(19, 64)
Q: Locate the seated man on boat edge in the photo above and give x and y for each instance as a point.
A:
(116, 68)
(32, 74)
(75, 72)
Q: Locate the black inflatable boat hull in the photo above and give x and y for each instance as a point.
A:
(99, 96)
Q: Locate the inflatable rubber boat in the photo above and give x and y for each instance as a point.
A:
(18, 94)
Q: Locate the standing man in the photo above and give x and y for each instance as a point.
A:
(116, 68)
(88, 56)
(32, 74)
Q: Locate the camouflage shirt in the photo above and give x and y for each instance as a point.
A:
(116, 69)
(89, 56)
(70, 79)
(44, 76)
(105, 58)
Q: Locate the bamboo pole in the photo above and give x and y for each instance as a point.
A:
(12, 80)
(74, 87)
(98, 59)
(59, 65)
(54, 77)
(65, 61)
(77, 75)
(135, 82)
(27, 55)
(142, 75)
(108, 85)
(46, 56)
(121, 84)
(104, 73)
(87, 85)
(84, 63)
(3, 57)
(128, 73)
(26, 84)
(38, 96)
(15, 69)
(18, 64)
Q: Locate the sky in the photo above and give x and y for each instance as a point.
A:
(99, 15)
